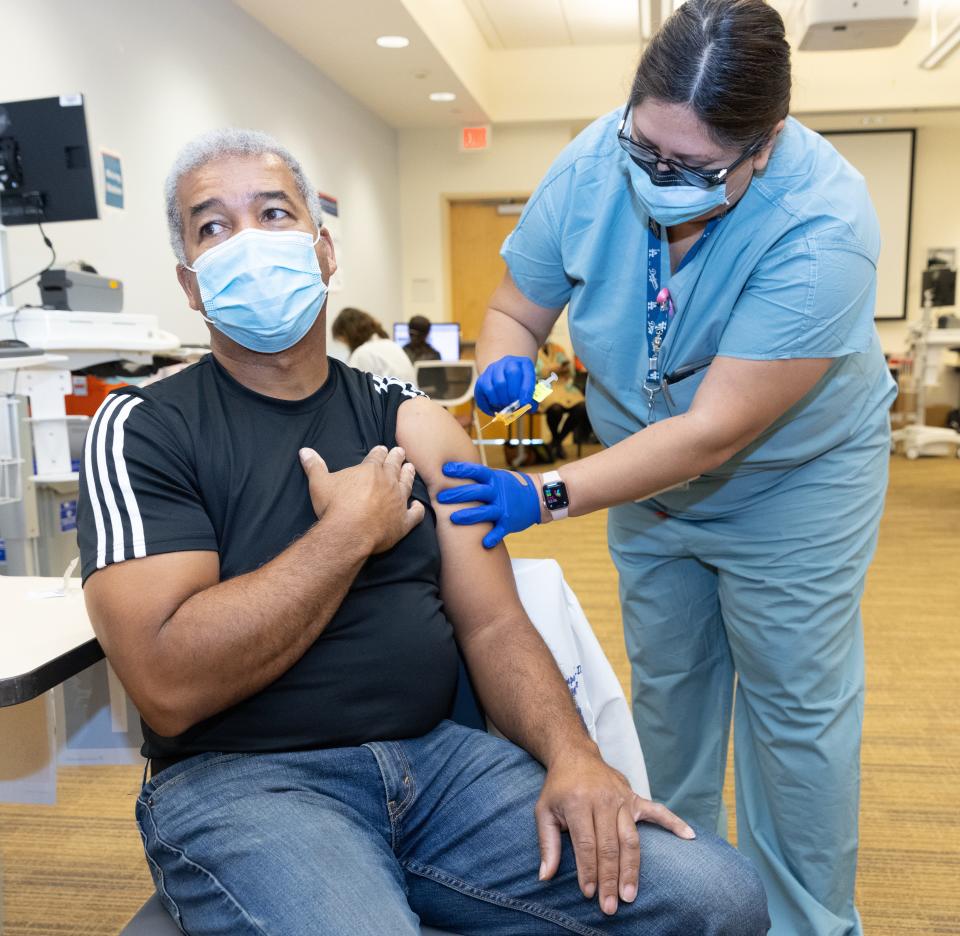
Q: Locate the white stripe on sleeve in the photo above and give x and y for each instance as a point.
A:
(116, 523)
(123, 479)
(92, 484)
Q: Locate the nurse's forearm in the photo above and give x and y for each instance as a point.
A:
(664, 454)
(502, 335)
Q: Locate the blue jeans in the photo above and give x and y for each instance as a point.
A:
(364, 841)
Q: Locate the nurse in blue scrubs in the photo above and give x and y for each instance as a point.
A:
(718, 261)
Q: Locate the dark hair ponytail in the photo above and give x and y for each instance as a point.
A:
(729, 60)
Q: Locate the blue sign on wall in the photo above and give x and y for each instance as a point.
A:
(3, 552)
(68, 516)
(112, 179)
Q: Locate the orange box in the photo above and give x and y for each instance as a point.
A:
(88, 394)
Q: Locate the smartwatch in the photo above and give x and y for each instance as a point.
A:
(555, 495)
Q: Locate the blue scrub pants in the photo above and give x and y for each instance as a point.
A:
(770, 594)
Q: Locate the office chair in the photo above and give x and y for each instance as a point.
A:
(451, 383)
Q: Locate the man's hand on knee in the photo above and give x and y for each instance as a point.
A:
(594, 803)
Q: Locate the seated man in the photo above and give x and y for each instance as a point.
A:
(289, 633)
(567, 399)
(418, 348)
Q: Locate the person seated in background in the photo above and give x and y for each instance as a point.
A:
(371, 349)
(417, 348)
(566, 411)
(283, 599)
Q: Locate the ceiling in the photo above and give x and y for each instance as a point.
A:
(340, 39)
(516, 61)
(508, 24)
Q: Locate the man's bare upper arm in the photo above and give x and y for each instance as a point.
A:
(477, 584)
(128, 604)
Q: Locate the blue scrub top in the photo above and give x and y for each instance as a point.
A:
(789, 272)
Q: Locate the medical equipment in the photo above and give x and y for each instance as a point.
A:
(511, 413)
(45, 170)
(40, 465)
(927, 344)
(74, 289)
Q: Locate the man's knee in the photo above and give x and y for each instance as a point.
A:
(713, 889)
(728, 894)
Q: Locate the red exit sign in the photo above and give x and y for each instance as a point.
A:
(475, 138)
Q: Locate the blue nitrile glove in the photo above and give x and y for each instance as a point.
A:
(504, 381)
(508, 503)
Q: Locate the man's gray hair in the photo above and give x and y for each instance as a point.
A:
(231, 141)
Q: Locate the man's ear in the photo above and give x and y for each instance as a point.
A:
(188, 283)
(326, 255)
(763, 157)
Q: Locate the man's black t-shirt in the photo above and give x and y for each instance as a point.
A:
(199, 462)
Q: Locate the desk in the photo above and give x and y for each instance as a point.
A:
(58, 644)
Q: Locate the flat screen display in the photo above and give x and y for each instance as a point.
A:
(45, 170)
(444, 336)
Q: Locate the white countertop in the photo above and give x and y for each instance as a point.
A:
(32, 360)
(41, 638)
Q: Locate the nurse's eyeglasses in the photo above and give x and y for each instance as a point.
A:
(647, 158)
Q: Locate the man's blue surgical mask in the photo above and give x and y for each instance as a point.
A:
(675, 202)
(262, 289)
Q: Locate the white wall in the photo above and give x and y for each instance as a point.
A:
(936, 215)
(156, 74)
(936, 223)
(433, 170)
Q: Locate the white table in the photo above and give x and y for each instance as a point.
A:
(43, 641)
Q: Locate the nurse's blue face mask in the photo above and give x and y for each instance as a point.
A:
(678, 193)
(262, 289)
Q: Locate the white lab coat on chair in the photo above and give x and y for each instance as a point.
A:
(555, 612)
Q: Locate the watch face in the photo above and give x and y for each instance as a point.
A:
(555, 495)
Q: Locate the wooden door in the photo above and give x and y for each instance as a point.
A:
(477, 232)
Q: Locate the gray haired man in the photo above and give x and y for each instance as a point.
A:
(262, 564)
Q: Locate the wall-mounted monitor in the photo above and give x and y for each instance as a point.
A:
(45, 168)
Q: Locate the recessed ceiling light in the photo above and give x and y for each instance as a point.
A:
(443, 96)
(393, 42)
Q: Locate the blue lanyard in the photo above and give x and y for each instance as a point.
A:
(659, 304)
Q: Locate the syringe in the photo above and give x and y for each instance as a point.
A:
(510, 414)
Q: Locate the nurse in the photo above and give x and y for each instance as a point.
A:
(718, 261)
